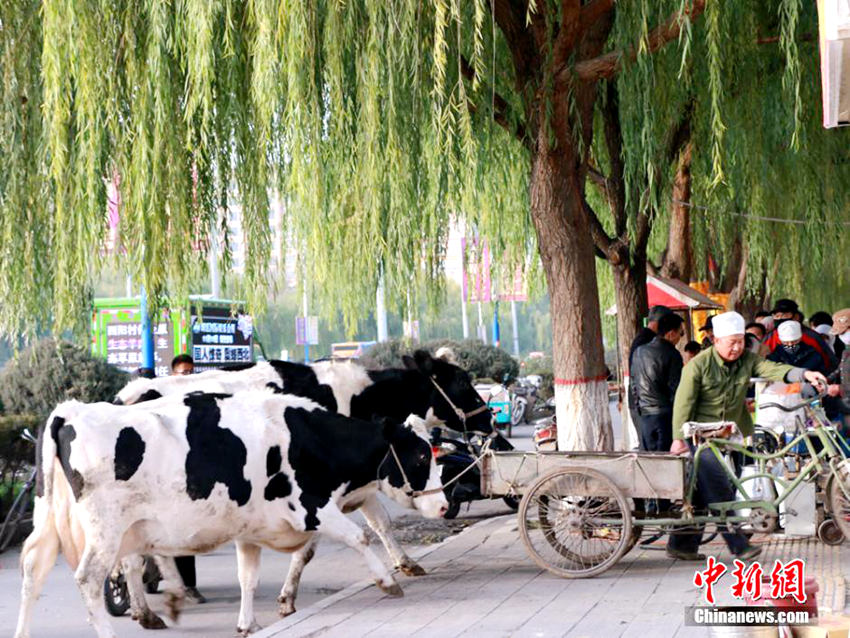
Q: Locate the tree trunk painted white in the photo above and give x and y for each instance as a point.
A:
(584, 422)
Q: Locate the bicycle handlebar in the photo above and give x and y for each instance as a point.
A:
(791, 408)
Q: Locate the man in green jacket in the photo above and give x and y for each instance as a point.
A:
(713, 388)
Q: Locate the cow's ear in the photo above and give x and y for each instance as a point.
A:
(409, 362)
(424, 361)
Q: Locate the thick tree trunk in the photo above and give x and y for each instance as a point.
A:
(678, 258)
(569, 264)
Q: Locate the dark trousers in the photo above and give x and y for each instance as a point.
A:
(713, 486)
(186, 567)
(656, 432)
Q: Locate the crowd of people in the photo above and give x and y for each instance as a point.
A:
(709, 382)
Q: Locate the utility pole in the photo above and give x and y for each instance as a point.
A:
(147, 367)
(516, 328)
(381, 308)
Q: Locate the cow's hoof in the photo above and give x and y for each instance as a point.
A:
(247, 632)
(173, 605)
(150, 620)
(412, 569)
(393, 589)
(287, 606)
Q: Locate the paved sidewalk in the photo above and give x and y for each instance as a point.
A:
(482, 583)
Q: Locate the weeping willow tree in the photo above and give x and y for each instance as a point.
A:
(740, 110)
(377, 124)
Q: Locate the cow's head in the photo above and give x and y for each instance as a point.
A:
(408, 469)
(451, 391)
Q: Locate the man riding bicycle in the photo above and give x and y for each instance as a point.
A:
(713, 388)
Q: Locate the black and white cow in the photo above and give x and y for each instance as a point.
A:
(428, 387)
(186, 474)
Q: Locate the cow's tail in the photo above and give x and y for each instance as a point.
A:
(52, 519)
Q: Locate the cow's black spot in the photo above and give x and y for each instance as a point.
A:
(278, 487)
(129, 452)
(63, 434)
(216, 455)
(274, 387)
(301, 380)
(236, 367)
(149, 395)
(291, 506)
(319, 468)
(273, 460)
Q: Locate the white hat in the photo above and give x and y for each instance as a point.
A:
(789, 331)
(728, 324)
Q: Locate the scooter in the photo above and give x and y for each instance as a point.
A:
(458, 470)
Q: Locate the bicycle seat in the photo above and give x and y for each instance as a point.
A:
(714, 430)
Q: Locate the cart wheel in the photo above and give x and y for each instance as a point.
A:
(838, 503)
(829, 533)
(115, 595)
(575, 522)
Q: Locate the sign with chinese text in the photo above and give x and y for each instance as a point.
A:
(220, 338)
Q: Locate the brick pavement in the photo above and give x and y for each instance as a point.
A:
(481, 583)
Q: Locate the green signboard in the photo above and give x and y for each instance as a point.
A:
(214, 334)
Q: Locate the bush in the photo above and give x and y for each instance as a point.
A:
(477, 358)
(52, 371)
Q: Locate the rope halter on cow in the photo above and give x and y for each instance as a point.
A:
(461, 415)
(408, 488)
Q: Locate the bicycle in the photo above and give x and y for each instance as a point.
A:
(19, 517)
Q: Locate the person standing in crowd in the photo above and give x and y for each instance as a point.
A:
(766, 319)
(713, 388)
(793, 351)
(644, 336)
(708, 333)
(183, 364)
(839, 391)
(691, 349)
(821, 322)
(757, 330)
(656, 370)
(786, 309)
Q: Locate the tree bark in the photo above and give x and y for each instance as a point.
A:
(581, 393)
(678, 257)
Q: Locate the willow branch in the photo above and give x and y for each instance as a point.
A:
(609, 64)
(501, 108)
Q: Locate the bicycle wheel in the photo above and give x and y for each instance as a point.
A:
(839, 504)
(575, 522)
(18, 520)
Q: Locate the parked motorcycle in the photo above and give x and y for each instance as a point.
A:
(526, 405)
(455, 458)
(545, 435)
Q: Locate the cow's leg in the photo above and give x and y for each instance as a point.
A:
(248, 565)
(37, 559)
(97, 561)
(299, 560)
(337, 525)
(172, 585)
(377, 518)
(133, 568)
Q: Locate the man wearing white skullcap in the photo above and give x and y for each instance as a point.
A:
(793, 351)
(713, 388)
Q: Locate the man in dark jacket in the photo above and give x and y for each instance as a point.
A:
(656, 370)
(646, 334)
